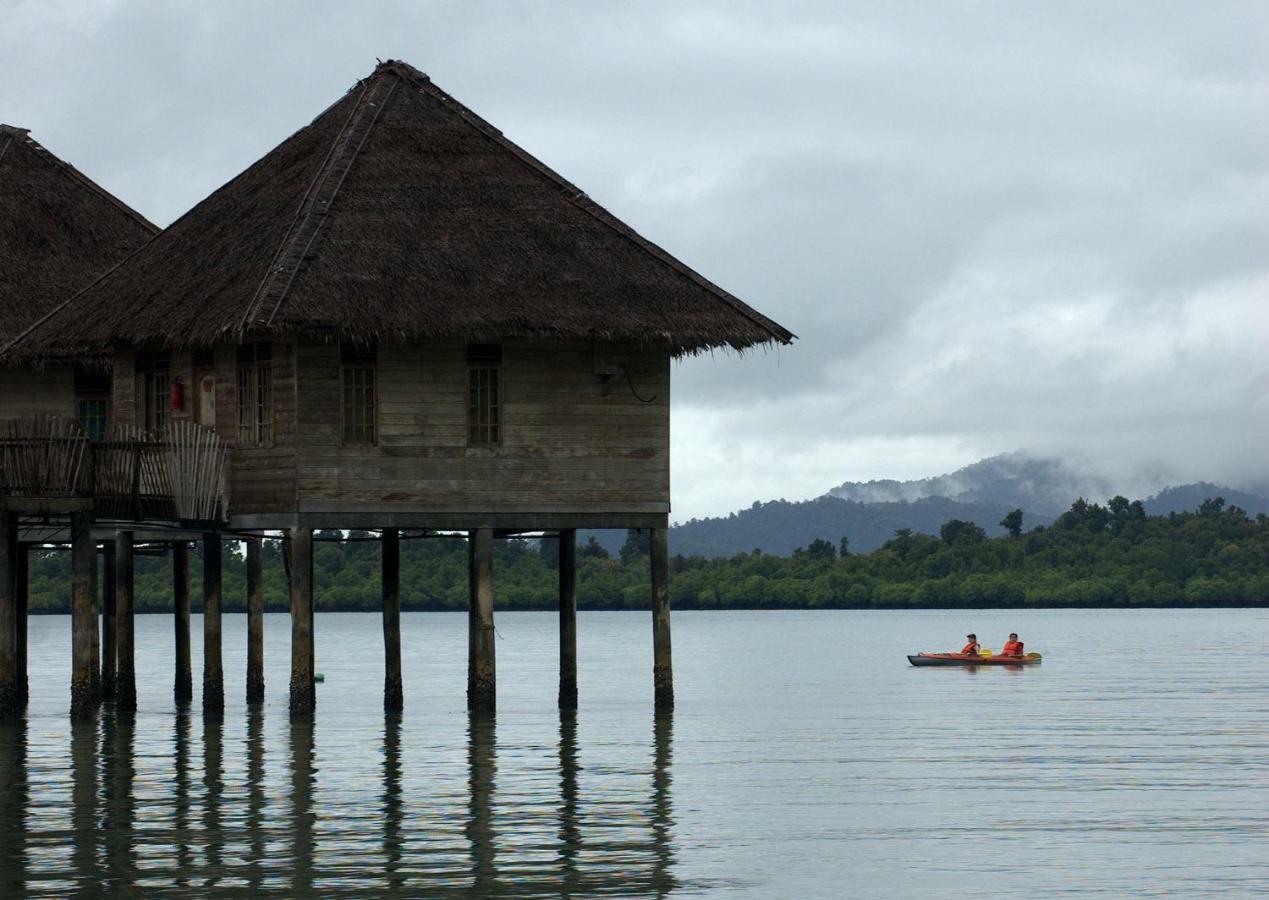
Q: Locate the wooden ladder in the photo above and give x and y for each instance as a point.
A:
(311, 217)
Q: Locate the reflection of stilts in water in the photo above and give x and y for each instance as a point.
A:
(255, 794)
(213, 788)
(662, 808)
(84, 810)
(392, 806)
(13, 806)
(117, 734)
(302, 814)
(180, 796)
(482, 763)
(570, 830)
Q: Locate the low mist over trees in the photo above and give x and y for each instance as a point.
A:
(1093, 555)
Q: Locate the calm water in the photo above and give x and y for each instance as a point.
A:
(806, 759)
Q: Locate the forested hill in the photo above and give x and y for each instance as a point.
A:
(1092, 555)
(781, 526)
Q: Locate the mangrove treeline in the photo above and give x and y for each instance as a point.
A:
(1093, 555)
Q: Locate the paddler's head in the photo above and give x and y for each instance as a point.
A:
(1013, 635)
(971, 637)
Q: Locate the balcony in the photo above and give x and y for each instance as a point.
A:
(49, 465)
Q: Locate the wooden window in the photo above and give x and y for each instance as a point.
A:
(484, 402)
(155, 373)
(359, 407)
(255, 394)
(92, 402)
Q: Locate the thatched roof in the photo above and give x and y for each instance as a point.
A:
(398, 212)
(58, 231)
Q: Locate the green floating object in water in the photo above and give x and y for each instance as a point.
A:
(319, 677)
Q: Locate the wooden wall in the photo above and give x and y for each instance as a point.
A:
(565, 447)
(25, 391)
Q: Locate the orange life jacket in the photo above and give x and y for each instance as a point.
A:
(970, 649)
(1011, 648)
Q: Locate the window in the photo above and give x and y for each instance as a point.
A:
(154, 370)
(92, 402)
(484, 410)
(358, 378)
(255, 394)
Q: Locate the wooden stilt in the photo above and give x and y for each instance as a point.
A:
(213, 672)
(108, 624)
(94, 648)
(393, 700)
(471, 614)
(125, 672)
(482, 687)
(255, 622)
(22, 593)
(10, 703)
(183, 678)
(300, 541)
(662, 670)
(568, 618)
(83, 620)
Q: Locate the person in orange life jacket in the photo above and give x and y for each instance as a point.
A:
(1012, 647)
(971, 648)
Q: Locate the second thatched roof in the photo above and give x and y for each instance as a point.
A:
(399, 213)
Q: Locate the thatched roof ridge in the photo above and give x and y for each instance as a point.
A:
(400, 213)
(59, 231)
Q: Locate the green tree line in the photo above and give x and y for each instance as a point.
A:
(1093, 555)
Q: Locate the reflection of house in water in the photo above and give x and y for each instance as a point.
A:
(397, 320)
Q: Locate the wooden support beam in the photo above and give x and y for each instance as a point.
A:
(568, 618)
(183, 677)
(393, 699)
(300, 543)
(125, 671)
(10, 702)
(482, 684)
(108, 624)
(84, 682)
(213, 670)
(255, 622)
(662, 670)
(22, 594)
(94, 649)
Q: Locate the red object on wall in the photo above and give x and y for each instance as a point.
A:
(177, 393)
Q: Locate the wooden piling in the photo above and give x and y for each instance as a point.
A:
(482, 684)
(108, 642)
(662, 670)
(22, 594)
(84, 682)
(393, 699)
(94, 648)
(255, 622)
(10, 703)
(300, 542)
(183, 677)
(125, 670)
(568, 618)
(213, 671)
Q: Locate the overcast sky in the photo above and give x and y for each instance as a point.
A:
(994, 226)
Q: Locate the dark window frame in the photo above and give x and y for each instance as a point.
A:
(255, 395)
(484, 395)
(155, 373)
(358, 395)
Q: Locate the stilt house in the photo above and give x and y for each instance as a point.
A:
(399, 319)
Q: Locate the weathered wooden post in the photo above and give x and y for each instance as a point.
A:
(568, 618)
(482, 683)
(9, 700)
(22, 594)
(94, 664)
(84, 683)
(213, 671)
(183, 678)
(662, 670)
(255, 622)
(108, 624)
(393, 700)
(125, 670)
(303, 698)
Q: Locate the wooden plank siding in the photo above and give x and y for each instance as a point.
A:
(24, 392)
(565, 446)
(261, 479)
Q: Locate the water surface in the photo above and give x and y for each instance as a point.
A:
(805, 758)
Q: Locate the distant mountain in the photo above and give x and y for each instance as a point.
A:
(1042, 485)
(780, 526)
(1188, 496)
